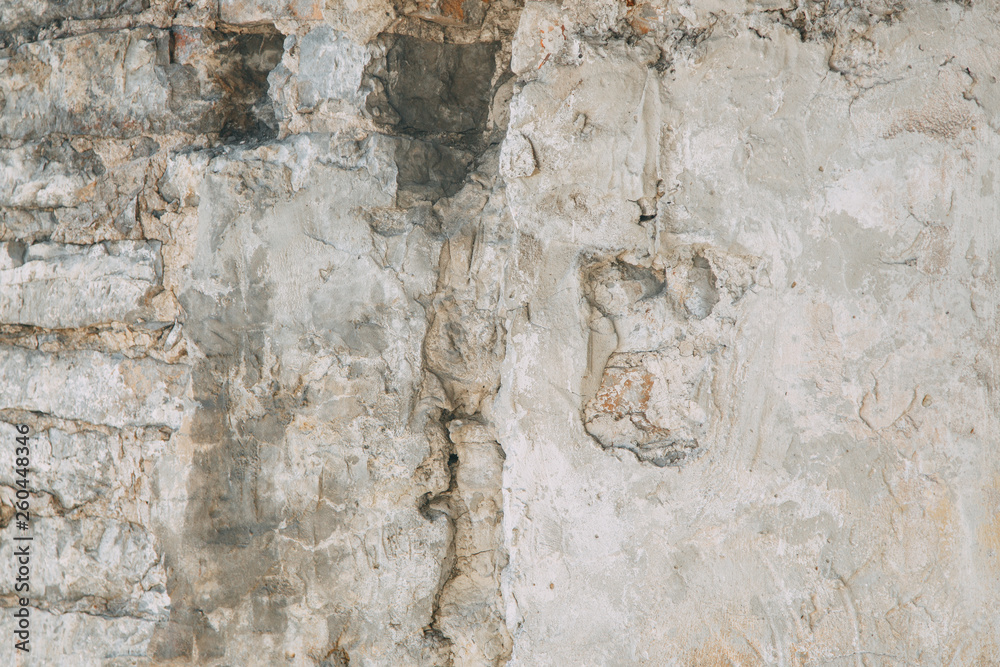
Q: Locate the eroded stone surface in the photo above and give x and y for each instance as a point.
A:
(58, 286)
(467, 333)
(136, 81)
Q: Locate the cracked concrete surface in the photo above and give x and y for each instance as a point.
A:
(443, 333)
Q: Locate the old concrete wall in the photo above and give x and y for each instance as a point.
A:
(478, 333)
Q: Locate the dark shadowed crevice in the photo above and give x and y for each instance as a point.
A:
(250, 58)
(435, 98)
(435, 90)
(236, 87)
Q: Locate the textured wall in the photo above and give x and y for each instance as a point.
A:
(476, 333)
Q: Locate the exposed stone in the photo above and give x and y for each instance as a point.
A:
(94, 566)
(102, 640)
(128, 82)
(60, 286)
(15, 14)
(466, 333)
(96, 388)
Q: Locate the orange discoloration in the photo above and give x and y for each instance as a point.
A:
(624, 391)
(308, 11)
(442, 12)
(183, 42)
(452, 8)
(639, 26)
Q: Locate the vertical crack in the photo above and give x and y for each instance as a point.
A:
(467, 613)
(435, 98)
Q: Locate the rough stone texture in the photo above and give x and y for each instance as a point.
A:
(135, 81)
(24, 16)
(475, 333)
(110, 282)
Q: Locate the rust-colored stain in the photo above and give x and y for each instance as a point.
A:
(452, 8)
(624, 391)
(636, 17)
(183, 42)
(639, 25)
